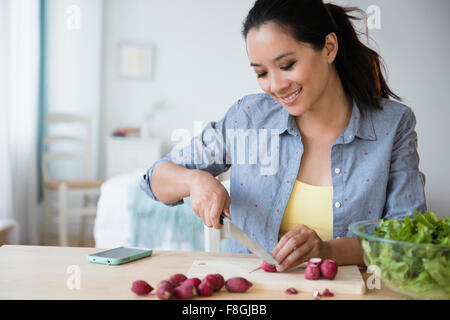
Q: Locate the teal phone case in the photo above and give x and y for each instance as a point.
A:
(93, 257)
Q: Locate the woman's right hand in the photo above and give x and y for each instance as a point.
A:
(209, 198)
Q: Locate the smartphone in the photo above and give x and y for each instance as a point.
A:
(119, 255)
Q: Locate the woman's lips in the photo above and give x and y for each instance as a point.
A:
(293, 97)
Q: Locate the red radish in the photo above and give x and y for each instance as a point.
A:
(312, 272)
(327, 293)
(140, 287)
(316, 295)
(185, 291)
(177, 279)
(165, 281)
(216, 281)
(266, 267)
(316, 261)
(328, 269)
(204, 289)
(238, 284)
(291, 291)
(194, 281)
(165, 291)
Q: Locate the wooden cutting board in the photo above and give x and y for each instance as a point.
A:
(347, 280)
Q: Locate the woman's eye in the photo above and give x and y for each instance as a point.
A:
(288, 66)
(260, 75)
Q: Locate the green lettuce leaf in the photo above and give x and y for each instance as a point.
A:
(419, 269)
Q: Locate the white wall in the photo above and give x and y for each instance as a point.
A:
(5, 191)
(202, 68)
(4, 52)
(201, 62)
(4, 60)
(74, 65)
(74, 62)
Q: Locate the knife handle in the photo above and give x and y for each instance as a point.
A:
(221, 218)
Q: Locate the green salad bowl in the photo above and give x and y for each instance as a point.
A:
(414, 270)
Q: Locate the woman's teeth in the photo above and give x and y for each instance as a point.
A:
(292, 96)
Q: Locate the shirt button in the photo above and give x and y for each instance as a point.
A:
(337, 204)
(337, 170)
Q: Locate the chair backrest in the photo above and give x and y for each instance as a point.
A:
(47, 157)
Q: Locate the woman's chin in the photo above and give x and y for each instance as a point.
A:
(296, 109)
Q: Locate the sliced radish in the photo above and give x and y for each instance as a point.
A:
(268, 267)
(327, 293)
(316, 261)
(291, 291)
(316, 295)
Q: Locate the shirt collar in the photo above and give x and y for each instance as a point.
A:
(359, 126)
(287, 123)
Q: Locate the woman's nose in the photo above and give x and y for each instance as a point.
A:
(278, 85)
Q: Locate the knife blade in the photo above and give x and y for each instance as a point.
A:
(242, 237)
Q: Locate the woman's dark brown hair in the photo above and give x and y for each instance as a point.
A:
(310, 21)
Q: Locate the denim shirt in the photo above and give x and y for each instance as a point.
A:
(374, 165)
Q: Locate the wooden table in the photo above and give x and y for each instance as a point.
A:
(44, 272)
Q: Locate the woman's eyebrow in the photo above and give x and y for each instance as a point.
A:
(274, 60)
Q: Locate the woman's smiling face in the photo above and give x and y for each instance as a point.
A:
(290, 71)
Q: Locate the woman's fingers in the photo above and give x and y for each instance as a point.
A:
(279, 245)
(226, 207)
(205, 217)
(296, 256)
(283, 241)
(296, 247)
(294, 242)
(209, 199)
(216, 211)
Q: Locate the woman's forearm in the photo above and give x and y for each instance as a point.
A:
(170, 182)
(345, 251)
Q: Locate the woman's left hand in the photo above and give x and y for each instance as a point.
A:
(297, 246)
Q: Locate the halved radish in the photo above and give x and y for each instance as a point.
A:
(316, 261)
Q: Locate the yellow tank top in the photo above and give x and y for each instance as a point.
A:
(312, 206)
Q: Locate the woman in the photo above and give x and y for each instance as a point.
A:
(346, 151)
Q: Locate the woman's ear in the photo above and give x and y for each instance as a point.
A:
(331, 47)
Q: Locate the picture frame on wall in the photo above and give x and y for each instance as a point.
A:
(136, 61)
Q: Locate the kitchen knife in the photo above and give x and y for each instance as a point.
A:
(235, 232)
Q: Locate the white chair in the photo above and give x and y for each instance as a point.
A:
(214, 236)
(85, 186)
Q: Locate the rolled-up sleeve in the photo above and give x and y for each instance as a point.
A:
(146, 182)
(405, 190)
(207, 152)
